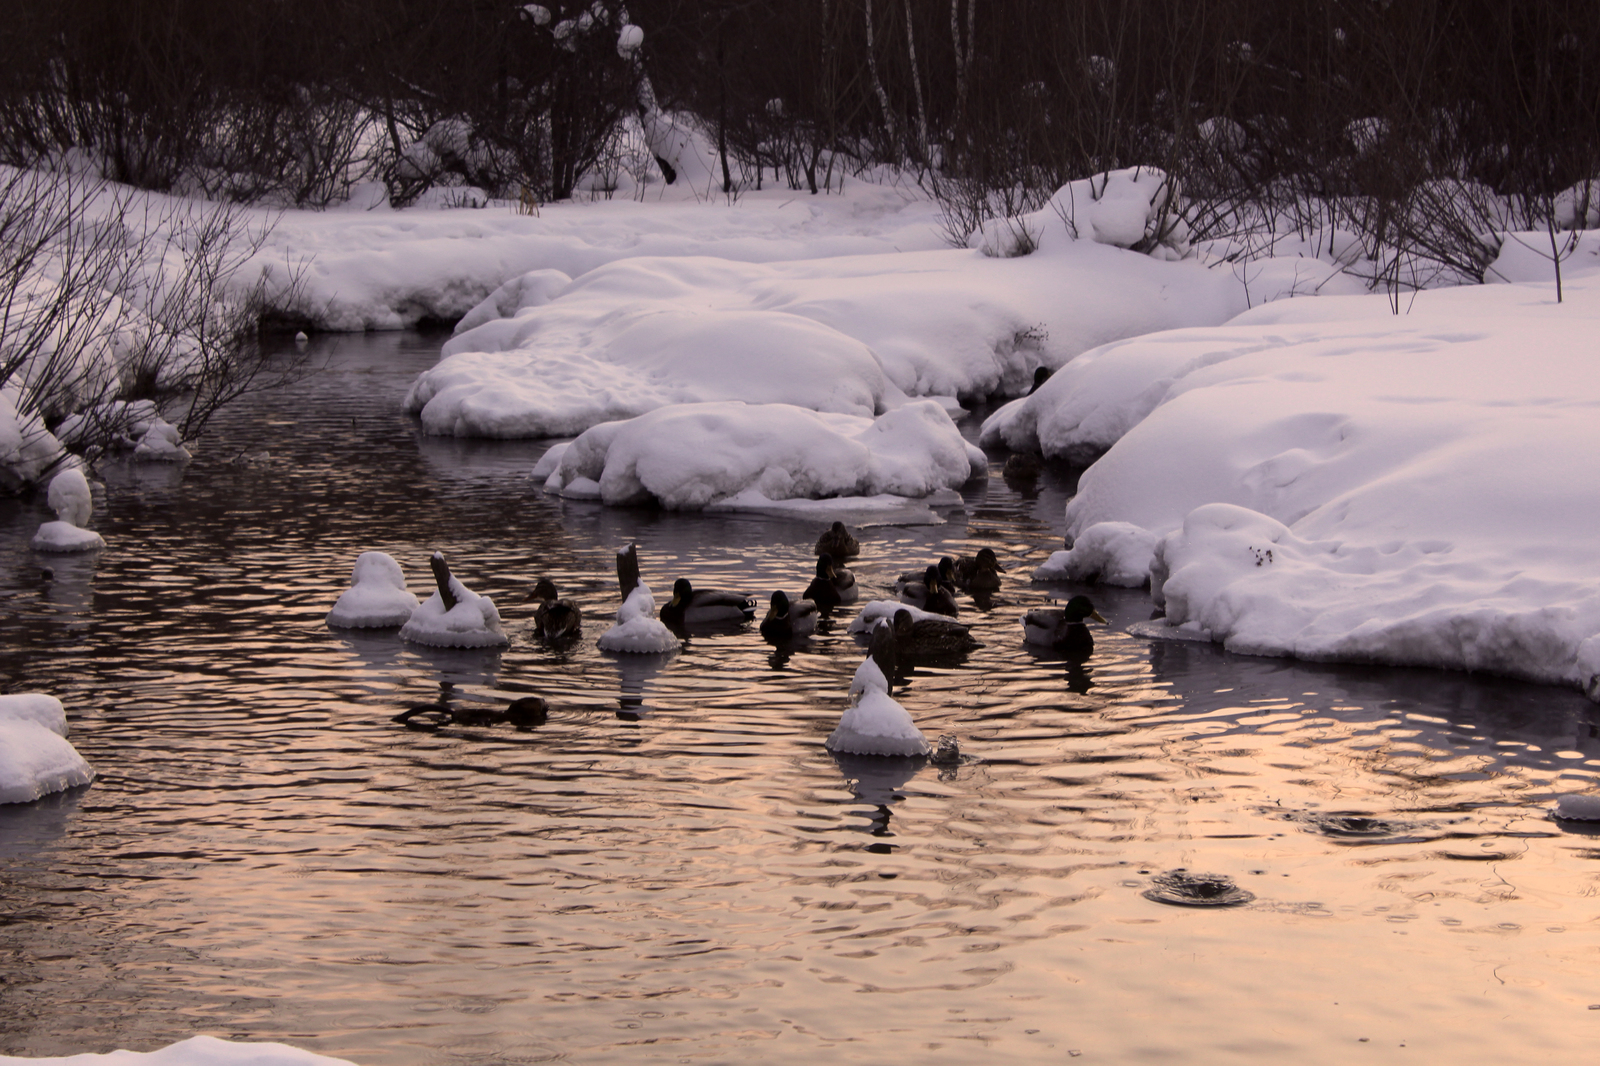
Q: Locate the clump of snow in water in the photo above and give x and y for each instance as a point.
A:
(135, 427)
(1333, 481)
(73, 502)
(638, 631)
(874, 723)
(1577, 807)
(875, 609)
(160, 443)
(473, 622)
(1111, 553)
(691, 456)
(195, 1051)
(377, 595)
(35, 756)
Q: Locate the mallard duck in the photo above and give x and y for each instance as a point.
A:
(554, 619)
(947, 574)
(832, 586)
(838, 542)
(874, 724)
(690, 605)
(1062, 628)
(930, 636)
(930, 594)
(786, 620)
(978, 573)
(1040, 376)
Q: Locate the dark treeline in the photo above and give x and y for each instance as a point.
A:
(994, 103)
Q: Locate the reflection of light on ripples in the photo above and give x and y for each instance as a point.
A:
(673, 857)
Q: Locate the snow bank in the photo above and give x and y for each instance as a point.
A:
(848, 334)
(691, 456)
(35, 757)
(1334, 481)
(1111, 553)
(196, 1051)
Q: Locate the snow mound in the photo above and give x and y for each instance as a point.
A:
(70, 497)
(1333, 481)
(472, 623)
(1112, 553)
(851, 334)
(35, 757)
(638, 631)
(874, 723)
(377, 595)
(876, 609)
(691, 456)
(195, 1051)
(1132, 208)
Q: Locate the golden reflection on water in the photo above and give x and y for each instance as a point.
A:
(672, 868)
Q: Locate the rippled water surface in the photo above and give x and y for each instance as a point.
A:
(673, 868)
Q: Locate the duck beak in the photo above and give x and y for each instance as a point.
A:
(1097, 617)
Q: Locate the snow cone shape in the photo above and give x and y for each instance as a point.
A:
(638, 630)
(874, 724)
(35, 757)
(454, 616)
(70, 498)
(377, 595)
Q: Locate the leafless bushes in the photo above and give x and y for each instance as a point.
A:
(103, 302)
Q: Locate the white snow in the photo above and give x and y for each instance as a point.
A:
(1334, 481)
(195, 1051)
(472, 623)
(377, 595)
(874, 723)
(70, 497)
(690, 456)
(638, 631)
(875, 609)
(35, 756)
(1111, 553)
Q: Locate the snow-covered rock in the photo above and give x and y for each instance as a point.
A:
(35, 757)
(1111, 553)
(473, 622)
(690, 456)
(638, 631)
(377, 595)
(70, 497)
(195, 1051)
(874, 723)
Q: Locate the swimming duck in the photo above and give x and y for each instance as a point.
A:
(947, 574)
(838, 542)
(1021, 466)
(689, 605)
(930, 594)
(832, 586)
(874, 724)
(1062, 628)
(928, 636)
(786, 620)
(978, 573)
(554, 619)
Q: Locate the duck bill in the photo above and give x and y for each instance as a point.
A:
(1098, 617)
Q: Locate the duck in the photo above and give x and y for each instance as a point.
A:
(837, 542)
(523, 713)
(1021, 466)
(926, 636)
(786, 620)
(1041, 375)
(690, 605)
(947, 574)
(1062, 628)
(873, 723)
(555, 618)
(930, 594)
(978, 573)
(832, 586)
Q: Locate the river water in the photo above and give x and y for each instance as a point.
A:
(673, 868)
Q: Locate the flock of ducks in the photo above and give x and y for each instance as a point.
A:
(920, 626)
